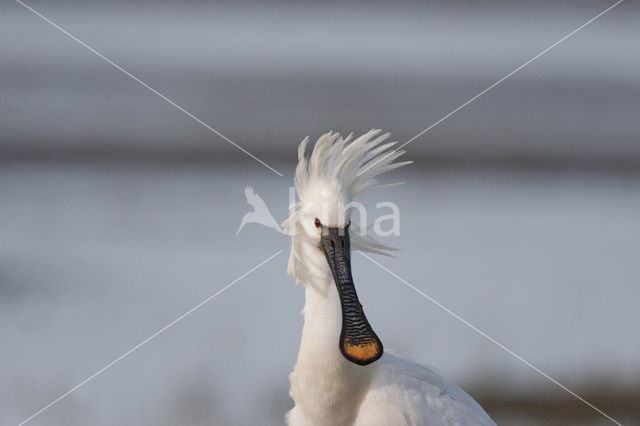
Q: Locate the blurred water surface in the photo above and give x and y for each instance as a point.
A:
(118, 213)
(95, 259)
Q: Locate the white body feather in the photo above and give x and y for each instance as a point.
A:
(329, 390)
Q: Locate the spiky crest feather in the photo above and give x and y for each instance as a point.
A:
(354, 165)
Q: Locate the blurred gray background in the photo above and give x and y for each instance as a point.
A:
(118, 212)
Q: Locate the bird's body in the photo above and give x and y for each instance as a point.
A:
(342, 377)
(404, 392)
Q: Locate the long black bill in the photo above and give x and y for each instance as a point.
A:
(358, 342)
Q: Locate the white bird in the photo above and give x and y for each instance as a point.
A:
(342, 377)
(260, 213)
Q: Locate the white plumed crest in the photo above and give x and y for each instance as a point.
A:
(350, 165)
(354, 164)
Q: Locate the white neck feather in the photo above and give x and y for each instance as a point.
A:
(326, 388)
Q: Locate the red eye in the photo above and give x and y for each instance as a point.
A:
(317, 222)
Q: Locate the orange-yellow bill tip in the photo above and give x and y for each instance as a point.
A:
(364, 353)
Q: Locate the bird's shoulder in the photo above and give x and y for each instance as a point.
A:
(405, 392)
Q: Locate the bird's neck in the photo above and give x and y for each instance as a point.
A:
(327, 388)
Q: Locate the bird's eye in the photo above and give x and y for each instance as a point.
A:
(317, 222)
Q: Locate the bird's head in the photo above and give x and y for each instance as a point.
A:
(327, 183)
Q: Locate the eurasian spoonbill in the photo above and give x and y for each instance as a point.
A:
(342, 377)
